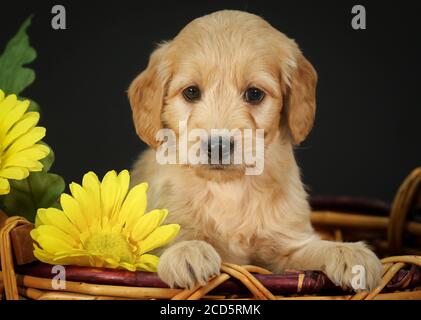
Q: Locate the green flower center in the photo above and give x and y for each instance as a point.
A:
(113, 245)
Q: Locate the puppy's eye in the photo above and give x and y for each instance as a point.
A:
(191, 93)
(254, 95)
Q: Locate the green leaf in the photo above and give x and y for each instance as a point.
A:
(39, 190)
(14, 78)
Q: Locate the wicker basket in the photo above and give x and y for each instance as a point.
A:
(390, 231)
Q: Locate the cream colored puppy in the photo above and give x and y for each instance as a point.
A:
(233, 70)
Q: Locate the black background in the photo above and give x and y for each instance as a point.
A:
(366, 137)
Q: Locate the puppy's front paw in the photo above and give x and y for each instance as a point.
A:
(344, 257)
(188, 263)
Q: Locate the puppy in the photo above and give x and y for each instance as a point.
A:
(233, 70)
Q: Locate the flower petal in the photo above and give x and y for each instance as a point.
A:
(123, 186)
(52, 244)
(36, 152)
(32, 137)
(148, 223)
(54, 232)
(127, 266)
(134, 205)
(22, 162)
(72, 210)
(109, 193)
(73, 257)
(147, 262)
(43, 255)
(4, 186)
(41, 218)
(113, 191)
(87, 204)
(13, 116)
(27, 122)
(17, 173)
(57, 218)
(159, 237)
(92, 186)
(7, 105)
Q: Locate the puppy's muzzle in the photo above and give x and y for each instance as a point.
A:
(220, 150)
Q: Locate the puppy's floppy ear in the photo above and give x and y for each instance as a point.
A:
(301, 98)
(147, 93)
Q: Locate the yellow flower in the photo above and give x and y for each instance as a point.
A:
(19, 151)
(102, 224)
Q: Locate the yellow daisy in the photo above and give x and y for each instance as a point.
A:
(19, 151)
(102, 224)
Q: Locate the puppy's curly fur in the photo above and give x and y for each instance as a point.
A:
(225, 214)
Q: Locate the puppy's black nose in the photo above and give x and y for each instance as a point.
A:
(220, 150)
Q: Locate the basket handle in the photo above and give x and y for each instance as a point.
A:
(402, 203)
(6, 254)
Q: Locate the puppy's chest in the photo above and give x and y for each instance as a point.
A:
(231, 224)
(226, 212)
(231, 218)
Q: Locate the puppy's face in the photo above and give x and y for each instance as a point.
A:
(228, 71)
